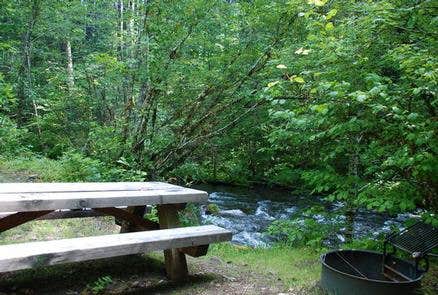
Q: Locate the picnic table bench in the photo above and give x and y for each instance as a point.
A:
(126, 201)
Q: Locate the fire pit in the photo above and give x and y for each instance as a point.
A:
(357, 272)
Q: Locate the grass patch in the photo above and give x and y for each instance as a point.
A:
(296, 267)
(430, 282)
(45, 169)
(59, 229)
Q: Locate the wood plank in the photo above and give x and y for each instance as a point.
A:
(63, 214)
(77, 200)
(19, 218)
(66, 213)
(175, 260)
(54, 187)
(35, 254)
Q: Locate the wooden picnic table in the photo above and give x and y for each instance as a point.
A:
(126, 201)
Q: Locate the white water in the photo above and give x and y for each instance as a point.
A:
(248, 212)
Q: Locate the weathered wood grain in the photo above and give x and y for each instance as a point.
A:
(35, 254)
(175, 260)
(37, 201)
(66, 213)
(19, 218)
(60, 187)
(63, 214)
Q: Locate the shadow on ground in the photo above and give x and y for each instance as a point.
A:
(134, 274)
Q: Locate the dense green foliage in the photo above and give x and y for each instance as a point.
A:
(335, 96)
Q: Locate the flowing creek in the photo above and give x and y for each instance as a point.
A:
(247, 212)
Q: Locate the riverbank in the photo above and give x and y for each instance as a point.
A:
(227, 269)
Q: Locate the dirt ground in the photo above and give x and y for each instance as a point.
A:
(140, 274)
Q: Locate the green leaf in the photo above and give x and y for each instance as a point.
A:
(331, 14)
(317, 2)
(320, 108)
(272, 84)
(297, 79)
(329, 26)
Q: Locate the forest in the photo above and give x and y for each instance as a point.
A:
(338, 97)
(335, 98)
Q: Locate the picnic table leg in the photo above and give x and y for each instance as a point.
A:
(175, 261)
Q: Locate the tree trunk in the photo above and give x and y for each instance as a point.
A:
(132, 28)
(70, 76)
(26, 101)
(121, 27)
(349, 227)
(350, 213)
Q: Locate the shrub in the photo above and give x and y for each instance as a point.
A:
(99, 286)
(190, 215)
(11, 137)
(189, 172)
(313, 228)
(77, 167)
(104, 143)
(298, 233)
(213, 209)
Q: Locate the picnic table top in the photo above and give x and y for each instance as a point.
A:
(22, 197)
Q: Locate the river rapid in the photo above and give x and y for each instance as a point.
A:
(247, 212)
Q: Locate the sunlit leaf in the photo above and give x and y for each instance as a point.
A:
(317, 2)
(329, 26)
(331, 14)
(320, 108)
(219, 45)
(271, 84)
(302, 51)
(297, 79)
